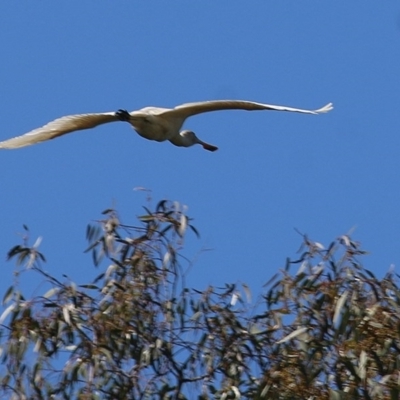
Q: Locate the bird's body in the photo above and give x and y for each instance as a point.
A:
(153, 123)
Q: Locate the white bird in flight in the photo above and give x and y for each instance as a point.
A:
(152, 123)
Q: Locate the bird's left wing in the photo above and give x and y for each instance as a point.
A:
(188, 109)
(59, 127)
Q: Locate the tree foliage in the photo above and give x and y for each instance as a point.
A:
(323, 327)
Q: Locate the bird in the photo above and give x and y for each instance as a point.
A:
(153, 123)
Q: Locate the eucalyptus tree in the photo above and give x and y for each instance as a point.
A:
(322, 327)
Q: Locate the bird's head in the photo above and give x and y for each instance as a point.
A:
(190, 138)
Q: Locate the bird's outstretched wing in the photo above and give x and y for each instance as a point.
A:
(188, 109)
(59, 127)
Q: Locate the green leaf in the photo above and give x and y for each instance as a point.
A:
(15, 250)
(370, 274)
(146, 218)
(161, 206)
(338, 309)
(89, 286)
(11, 308)
(51, 292)
(8, 295)
(294, 334)
(287, 265)
(108, 211)
(196, 232)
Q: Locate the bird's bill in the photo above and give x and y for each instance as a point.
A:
(208, 146)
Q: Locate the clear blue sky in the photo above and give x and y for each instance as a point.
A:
(273, 172)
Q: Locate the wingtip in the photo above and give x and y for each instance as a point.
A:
(5, 146)
(325, 109)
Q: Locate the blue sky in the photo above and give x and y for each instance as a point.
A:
(274, 172)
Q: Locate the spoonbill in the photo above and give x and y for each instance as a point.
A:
(152, 123)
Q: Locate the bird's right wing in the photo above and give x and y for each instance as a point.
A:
(189, 109)
(59, 127)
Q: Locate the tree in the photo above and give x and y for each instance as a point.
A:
(330, 329)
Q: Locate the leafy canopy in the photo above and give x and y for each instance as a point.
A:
(328, 329)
